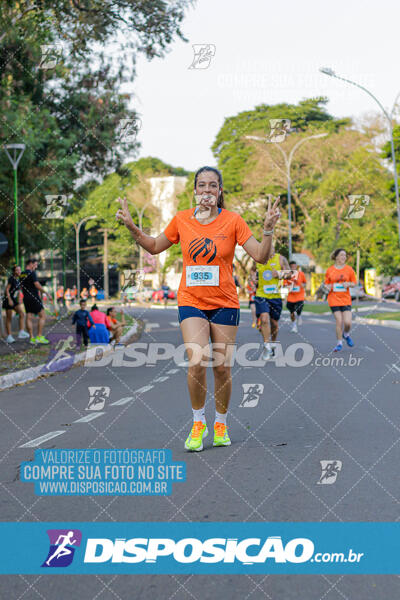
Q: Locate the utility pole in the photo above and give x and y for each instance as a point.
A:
(105, 264)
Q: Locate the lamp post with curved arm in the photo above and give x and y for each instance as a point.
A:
(288, 163)
(389, 117)
(77, 229)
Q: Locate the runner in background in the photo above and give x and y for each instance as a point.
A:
(296, 296)
(208, 304)
(68, 297)
(338, 279)
(251, 288)
(84, 294)
(165, 288)
(60, 295)
(268, 300)
(12, 303)
(74, 294)
(93, 293)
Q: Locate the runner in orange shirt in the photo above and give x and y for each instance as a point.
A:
(296, 296)
(339, 278)
(207, 299)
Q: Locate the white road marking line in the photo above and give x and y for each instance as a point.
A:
(143, 389)
(122, 401)
(88, 418)
(150, 326)
(370, 349)
(172, 371)
(42, 439)
(316, 320)
(396, 367)
(160, 379)
(174, 323)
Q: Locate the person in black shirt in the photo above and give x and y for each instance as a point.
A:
(32, 301)
(11, 302)
(81, 317)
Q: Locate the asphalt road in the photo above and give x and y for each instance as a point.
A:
(304, 415)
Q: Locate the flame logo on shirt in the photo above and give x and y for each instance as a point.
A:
(202, 245)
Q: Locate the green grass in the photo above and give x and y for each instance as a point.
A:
(394, 316)
(318, 309)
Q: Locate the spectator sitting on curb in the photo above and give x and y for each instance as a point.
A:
(115, 327)
(99, 335)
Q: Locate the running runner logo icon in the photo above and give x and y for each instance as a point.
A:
(251, 394)
(357, 206)
(55, 207)
(203, 54)
(97, 397)
(63, 543)
(61, 355)
(203, 247)
(330, 471)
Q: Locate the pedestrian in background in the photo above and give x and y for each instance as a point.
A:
(81, 317)
(11, 302)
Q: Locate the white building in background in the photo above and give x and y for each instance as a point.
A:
(164, 197)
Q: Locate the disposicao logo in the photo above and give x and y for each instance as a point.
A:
(191, 550)
(62, 547)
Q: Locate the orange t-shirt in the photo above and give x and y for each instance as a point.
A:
(212, 246)
(299, 295)
(335, 276)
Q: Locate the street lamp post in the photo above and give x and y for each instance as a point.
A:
(52, 236)
(389, 117)
(288, 163)
(140, 219)
(18, 150)
(77, 229)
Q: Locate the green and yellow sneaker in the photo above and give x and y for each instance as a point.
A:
(42, 340)
(32, 340)
(221, 437)
(195, 439)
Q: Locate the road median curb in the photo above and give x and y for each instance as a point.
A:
(383, 322)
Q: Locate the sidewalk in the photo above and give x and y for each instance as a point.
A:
(22, 355)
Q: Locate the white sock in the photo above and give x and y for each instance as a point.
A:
(267, 345)
(346, 334)
(220, 418)
(340, 342)
(199, 415)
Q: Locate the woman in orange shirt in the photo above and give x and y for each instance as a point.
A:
(207, 299)
(338, 279)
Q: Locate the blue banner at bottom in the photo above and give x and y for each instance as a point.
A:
(224, 548)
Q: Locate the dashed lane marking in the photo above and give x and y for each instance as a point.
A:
(150, 326)
(42, 439)
(143, 389)
(160, 379)
(88, 418)
(122, 401)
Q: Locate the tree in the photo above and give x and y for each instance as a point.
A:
(325, 172)
(130, 182)
(69, 115)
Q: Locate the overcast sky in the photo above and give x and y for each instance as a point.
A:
(265, 52)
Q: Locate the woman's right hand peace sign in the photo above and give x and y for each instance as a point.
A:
(123, 215)
(273, 214)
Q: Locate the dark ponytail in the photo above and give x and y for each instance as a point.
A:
(220, 201)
